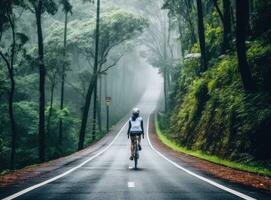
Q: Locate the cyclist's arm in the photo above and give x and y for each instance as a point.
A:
(128, 132)
(142, 127)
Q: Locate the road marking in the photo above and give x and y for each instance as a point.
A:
(234, 192)
(65, 173)
(131, 184)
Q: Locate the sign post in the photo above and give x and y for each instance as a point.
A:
(108, 101)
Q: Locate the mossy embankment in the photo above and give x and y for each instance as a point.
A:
(211, 113)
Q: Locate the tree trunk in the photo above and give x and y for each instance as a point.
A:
(11, 96)
(219, 11)
(41, 84)
(96, 68)
(94, 119)
(181, 35)
(165, 90)
(107, 107)
(100, 104)
(190, 22)
(63, 80)
(85, 113)
(10, 102)
(13, 123)
(51, 106)
(226, 22)
(201, 36)
(92, 85)
(226, 25)
(242, 9)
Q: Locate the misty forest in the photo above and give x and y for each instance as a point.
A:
(71, 69)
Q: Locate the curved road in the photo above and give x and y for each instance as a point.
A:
(109, 175)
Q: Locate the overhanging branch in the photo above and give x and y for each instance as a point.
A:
(110, 66)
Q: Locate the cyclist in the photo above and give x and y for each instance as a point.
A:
(135, 129)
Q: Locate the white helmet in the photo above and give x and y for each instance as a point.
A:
(135, 111)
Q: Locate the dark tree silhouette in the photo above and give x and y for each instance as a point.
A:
(242, 20)
(38, 12)
(8, 17)
(92, 86)
(67, 8)
(226, 25)
(201, 31)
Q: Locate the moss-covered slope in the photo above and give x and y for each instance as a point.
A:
(214, 114)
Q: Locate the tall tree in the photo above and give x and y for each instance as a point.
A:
(52, 59)
(189, 18)
(201, 32)
(113, 33)
(227, 25)
(92, 87)
(67, 8)
(183, 10)
(225, 18)
(38, 7)
(99, 114)
(159, 41)
(242, 20)
(38, 12)
(96, 57)
(8, 17)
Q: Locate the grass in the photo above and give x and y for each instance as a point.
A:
(257, 169)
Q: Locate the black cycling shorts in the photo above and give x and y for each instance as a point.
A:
(135, 133)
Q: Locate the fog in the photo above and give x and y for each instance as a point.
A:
(128, 80)
(136, 40)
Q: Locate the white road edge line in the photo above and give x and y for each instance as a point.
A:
(65, 173)
(234, 192)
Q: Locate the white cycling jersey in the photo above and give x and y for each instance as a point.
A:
(136, 125)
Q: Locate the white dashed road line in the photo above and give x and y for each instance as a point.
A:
(131, 184)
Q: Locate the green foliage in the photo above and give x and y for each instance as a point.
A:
(215, 115)
(212, 112)
(116, 26)
(259, 56)
(27, 119)
(213, 37)
(70, 125)
(255, 167)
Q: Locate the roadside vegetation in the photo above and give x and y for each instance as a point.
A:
(255, 167)
(59, 59)
(221, 111)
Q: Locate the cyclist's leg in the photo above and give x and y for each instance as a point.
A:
(139, 142)
(132, 147)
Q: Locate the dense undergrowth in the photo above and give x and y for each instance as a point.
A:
(212, 113)
(255, 167)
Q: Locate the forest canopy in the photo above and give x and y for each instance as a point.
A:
(47, 76)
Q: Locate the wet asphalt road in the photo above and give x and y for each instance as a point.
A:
(111, 174)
